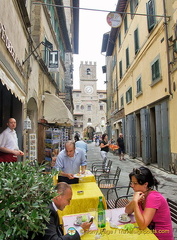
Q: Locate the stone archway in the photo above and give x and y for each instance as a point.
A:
(89, 132)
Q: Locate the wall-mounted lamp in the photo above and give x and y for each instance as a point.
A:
(27, 123)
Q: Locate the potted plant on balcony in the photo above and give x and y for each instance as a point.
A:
(24, 194)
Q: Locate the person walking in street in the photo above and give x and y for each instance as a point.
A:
(81, 144)
(121, 145)
(149, 206)
(9, 150)
(69, 161)
(104, 147)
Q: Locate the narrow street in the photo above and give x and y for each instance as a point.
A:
(167, 181)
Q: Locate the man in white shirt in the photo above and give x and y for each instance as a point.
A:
(9, 149)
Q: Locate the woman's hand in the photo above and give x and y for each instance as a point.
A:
(138, 197)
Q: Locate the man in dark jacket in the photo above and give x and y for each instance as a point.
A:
(120, 143)
(54, 230)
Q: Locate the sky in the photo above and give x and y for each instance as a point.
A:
(92, 26)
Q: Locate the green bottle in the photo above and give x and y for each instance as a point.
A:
(101, 214)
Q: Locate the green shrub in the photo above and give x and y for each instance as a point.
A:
(25, 193)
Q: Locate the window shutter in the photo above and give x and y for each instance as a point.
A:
(136, 40)
(151, 11)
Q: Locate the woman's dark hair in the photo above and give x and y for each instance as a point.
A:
(144, 175)
(104, 135)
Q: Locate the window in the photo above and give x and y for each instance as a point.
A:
(151, 20)
(77, 94)
(77, 107)
(120, 69)
(119, 39)
(101, 96)
(122, 101)
(125, 24)
(155, 69)
(88, 71)
(89, 120)
(136, 40)
(89, 108)
(101, 107)
(138, 85)
(127, 58)
(129, 95)
(82, 107)
(133, 5)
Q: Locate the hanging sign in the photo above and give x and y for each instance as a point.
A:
(114, 19)
(53, 61)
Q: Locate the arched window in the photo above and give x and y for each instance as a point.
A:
(89, 120)
(88, 71)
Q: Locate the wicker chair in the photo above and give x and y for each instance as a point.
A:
(173, 210)
(121, 201)
(109, 181)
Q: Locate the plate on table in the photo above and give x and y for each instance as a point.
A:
(124, 219)
(77, 175)
(85, 218)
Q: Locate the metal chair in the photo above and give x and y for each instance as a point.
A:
(98, 164)
(109, 181)
(102, 170)
(121, 201)
(173, 210)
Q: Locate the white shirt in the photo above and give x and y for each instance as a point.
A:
(8, 139)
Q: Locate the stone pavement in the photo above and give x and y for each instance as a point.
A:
(168, 181)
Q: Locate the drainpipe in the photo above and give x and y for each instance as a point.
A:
(167, 48)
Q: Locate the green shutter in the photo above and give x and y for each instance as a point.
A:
(136, 40)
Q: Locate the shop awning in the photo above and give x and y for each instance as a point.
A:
(10, 85)
(55, 111)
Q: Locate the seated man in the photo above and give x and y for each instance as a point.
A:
(69, 162)
(54, 230)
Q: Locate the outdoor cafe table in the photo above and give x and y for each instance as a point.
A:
(108, 233)
(83, 178)
(85, 201)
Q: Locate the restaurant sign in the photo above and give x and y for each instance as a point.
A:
(10, 48)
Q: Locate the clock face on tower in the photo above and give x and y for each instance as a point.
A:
(88, 89)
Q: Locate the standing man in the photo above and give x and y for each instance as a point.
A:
(9, 150)
(81, 144)
(69, 162)
(120, 143)
(54, 230)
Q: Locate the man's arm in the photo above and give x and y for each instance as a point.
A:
(7, 150)
(83, 162)
(53, 231)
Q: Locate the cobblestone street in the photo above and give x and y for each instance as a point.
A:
(167, 181)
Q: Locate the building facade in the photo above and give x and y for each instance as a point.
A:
(141, 80)
(35, 62)
(89, 108)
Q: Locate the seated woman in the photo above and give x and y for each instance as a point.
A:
(149, 206)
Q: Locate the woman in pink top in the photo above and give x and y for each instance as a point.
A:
(149, 206)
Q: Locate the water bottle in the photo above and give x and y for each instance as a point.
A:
(101, 214)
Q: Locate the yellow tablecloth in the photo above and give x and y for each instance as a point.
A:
(110, 233)
(83, 178)
(84, 202)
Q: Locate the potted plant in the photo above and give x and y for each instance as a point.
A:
(25, 193)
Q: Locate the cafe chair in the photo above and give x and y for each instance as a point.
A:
(173, 210)
(121, 201)
(100, 170)
(98, 164)
(109, 181)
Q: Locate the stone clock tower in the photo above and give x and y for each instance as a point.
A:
(88, 79)
(89, 110)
